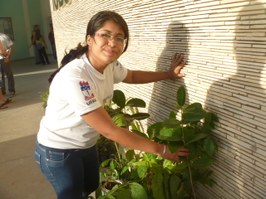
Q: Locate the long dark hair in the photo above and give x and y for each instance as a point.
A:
(95, 23)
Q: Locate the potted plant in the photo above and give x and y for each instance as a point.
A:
(125, 113)
(189, 126)
(44, 98)
(192, 130)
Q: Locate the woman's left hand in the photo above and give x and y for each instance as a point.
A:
(177, 64)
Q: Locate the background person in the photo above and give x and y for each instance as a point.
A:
(41, 47)
(52, 41)
(6, 50)
(75, 115)
(33, 43)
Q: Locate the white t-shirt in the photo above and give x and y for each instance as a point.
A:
(6, 43)
(77, 89)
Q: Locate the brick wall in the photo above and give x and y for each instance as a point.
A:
(225, 45)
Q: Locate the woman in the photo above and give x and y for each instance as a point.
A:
(33, 43)
(75, 116)
(41, 45)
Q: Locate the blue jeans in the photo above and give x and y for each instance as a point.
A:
(6, 70)
(74, 173)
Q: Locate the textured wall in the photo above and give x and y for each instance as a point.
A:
(225, 44)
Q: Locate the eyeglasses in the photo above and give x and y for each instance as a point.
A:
(119, 39)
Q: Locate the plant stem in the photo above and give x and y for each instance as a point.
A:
(117, 151)
(191, 180)
(189, 164)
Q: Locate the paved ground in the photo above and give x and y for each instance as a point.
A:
(19, 175)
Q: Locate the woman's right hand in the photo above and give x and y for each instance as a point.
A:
(167, 154)
(177, 64)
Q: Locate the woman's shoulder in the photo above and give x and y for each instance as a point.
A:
(76, 65)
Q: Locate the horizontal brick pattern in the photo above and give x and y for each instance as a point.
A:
(225, 45)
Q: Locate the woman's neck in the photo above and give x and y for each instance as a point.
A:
(96, 63)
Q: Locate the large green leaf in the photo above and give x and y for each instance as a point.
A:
(122, 193)
(181, 193)
(206, 128)
(136, 102)
(120, 120)
(172, 115)
(181, 96)
(119, 98)
(137, 191)
(171, 123)
(197, 138)
(157, 184)
(140, 116)
(203, 162)
(154, 129)
(174, 183)
(193, 113)
(173, 146)
(112, 112)
(142, 169)
(166, 177)
(130, 154)
(189, 133)
(139, 133)
(209, 146)
(179, 167)
(106, 197)
(210, 118)
(170, 134)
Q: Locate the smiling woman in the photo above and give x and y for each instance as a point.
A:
(107, 37)
(75, 116)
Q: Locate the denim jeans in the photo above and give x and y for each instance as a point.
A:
(73, 173)
(6, 70)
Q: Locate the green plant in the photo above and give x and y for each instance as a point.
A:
(163, 179)
(125, 113)
(44, 98)
(194, 131)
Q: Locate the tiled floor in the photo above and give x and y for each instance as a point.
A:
(19, 175)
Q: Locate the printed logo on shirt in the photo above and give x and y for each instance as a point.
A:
(88, 94)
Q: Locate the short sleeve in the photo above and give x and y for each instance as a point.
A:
(83, 98)
(120, 72)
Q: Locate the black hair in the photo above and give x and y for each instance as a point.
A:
(95, 23)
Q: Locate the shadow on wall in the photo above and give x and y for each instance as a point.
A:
(163, 99)
(239, 102)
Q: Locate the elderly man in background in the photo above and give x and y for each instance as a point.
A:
(6, 50)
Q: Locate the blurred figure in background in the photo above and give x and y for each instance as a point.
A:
(33, 43)
(41, 47)
(52, 41)
(6, 50)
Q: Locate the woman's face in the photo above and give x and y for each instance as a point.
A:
(106, 45)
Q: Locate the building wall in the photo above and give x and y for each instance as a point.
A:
(225, 45)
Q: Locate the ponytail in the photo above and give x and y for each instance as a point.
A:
(70, 56)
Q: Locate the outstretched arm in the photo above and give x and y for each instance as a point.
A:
(102, 123)
(140, 77)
